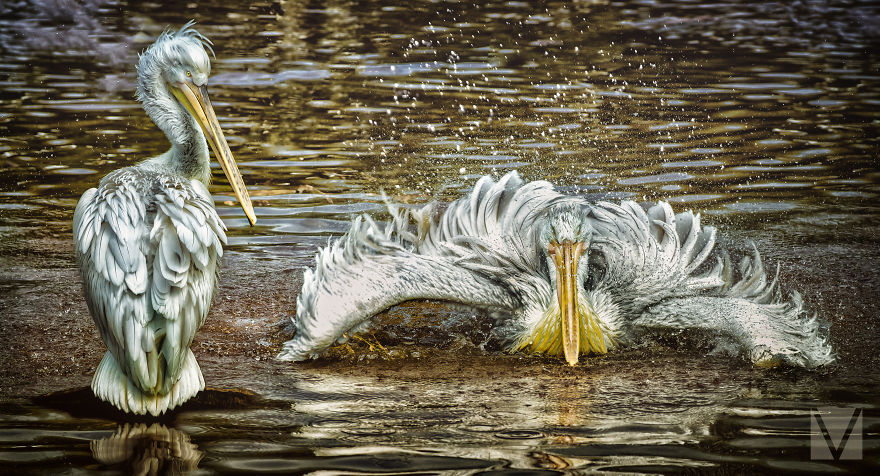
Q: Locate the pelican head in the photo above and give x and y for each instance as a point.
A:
(569, 325)
(172, 86)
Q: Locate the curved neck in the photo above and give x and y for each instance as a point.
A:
(188, 155)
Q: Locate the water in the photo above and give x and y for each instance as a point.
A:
(763, 117)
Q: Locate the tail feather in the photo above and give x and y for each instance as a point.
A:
(113, 386)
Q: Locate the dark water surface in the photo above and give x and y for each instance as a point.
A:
(763, 116)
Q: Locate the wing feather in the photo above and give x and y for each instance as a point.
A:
(148, 245)
(651, 253)
(437, 262)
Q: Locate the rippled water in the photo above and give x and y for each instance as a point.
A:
(765, 117)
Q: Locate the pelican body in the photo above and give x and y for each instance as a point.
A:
(148, 240)
(567, 277)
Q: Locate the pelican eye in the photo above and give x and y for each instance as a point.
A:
(189, 74)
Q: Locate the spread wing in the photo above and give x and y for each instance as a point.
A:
(644, 254)
(147, 245)
(491, 213)
(649, 259)
(421, 255)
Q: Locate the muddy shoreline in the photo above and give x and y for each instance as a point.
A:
(54, 346)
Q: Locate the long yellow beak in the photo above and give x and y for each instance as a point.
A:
(565, 257)
(196, 101)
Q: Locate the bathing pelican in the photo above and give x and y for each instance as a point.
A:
(566, 276)
(148, 240)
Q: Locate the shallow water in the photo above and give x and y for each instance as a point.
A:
(763, 117)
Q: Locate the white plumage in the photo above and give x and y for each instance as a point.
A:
(148, 240)
(148, 245)
(642, 268)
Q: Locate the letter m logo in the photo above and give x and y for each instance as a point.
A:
(836, 433)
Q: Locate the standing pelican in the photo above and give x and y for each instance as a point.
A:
(570, 277)
(148, 239)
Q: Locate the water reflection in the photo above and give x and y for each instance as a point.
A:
(136, 448)
(444, 415)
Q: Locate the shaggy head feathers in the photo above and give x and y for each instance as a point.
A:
(175, 57)
(566, 222)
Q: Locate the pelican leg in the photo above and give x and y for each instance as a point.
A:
(373, 344)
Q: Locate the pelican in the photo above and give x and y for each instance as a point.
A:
(566, 276)
(148, 240)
